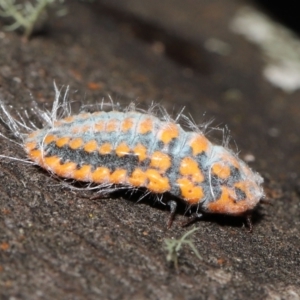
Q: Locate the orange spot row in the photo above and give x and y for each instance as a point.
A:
(145, 126)
(152, 179)
(89, 147)
(69, 170)
(112, 125)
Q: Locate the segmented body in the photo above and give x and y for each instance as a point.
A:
(139, 150)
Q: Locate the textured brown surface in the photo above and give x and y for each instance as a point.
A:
(56, 244)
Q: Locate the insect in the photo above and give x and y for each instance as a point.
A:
(136, 149)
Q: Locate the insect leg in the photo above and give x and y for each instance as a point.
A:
(173, 206)
(192, 219)
(249, 222)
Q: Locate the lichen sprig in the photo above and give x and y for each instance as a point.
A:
(26, 15)
(173, 247)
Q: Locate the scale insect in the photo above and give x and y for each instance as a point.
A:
(137, 150)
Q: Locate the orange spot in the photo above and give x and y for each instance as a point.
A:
(140, 151)
(126, 124)
(111, 125)
(221, 170)
(243, 187)
(52, 163)
(49, 138)
(66, 170)
(138, 178)
(106, 148)
(189, 167)
(160, 161)
(76, 129)
(199, 144)
(119, 176)
(227, 204)
(35, 155)
(85, 128)
(101, 175)
(122, 149)
(76, 143)
(169, 133)
(157, 183)
(191, 193)
(69, 119)
(145, 126)
(83, 174)
(62, 141)
(90, 146)
(30, 146)
(99, 126)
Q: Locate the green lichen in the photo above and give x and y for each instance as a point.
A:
(173, 247)
(27, 15)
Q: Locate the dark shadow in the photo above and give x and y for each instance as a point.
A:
(136, 196)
